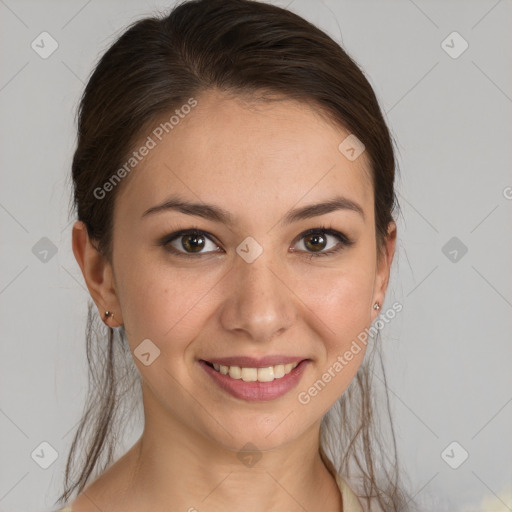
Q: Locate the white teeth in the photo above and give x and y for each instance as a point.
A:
(249, 374)
(235, 372)
(267, 374)
(279, 371)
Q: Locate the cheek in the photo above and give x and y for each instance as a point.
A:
(160, 301)
(342, 300)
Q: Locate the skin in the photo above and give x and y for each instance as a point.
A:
(257, 161)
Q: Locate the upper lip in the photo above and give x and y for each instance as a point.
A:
(255, 362)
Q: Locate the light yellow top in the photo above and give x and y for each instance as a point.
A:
(349, 499)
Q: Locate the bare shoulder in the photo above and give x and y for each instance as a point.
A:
(106, 491)
(97, 496)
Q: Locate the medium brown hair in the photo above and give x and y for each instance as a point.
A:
(245, 48)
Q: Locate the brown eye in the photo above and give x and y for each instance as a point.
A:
(189, 243)
(322, 242)
(193, 242)
(315, 242)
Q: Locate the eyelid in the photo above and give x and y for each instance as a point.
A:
(344, 241)
(328, 231)
(167, 239)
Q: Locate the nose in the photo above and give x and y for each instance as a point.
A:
(259, 304)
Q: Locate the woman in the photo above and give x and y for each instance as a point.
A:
(234, 186)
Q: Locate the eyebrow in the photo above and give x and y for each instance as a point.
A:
(218, 214)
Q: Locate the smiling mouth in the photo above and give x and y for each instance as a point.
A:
(266, 374)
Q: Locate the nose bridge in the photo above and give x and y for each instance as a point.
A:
(260, 303)
(258, 277)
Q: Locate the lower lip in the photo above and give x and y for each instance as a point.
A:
(257, 391)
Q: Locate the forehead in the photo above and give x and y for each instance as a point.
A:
(250, 156)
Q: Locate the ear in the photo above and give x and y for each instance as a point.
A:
(98, 275)
(383, 268)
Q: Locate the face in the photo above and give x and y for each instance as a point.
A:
(250, 282)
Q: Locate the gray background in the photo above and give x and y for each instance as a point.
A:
(448, 352)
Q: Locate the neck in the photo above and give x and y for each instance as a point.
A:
(173, 464)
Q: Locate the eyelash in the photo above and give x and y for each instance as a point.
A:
(344, 241)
